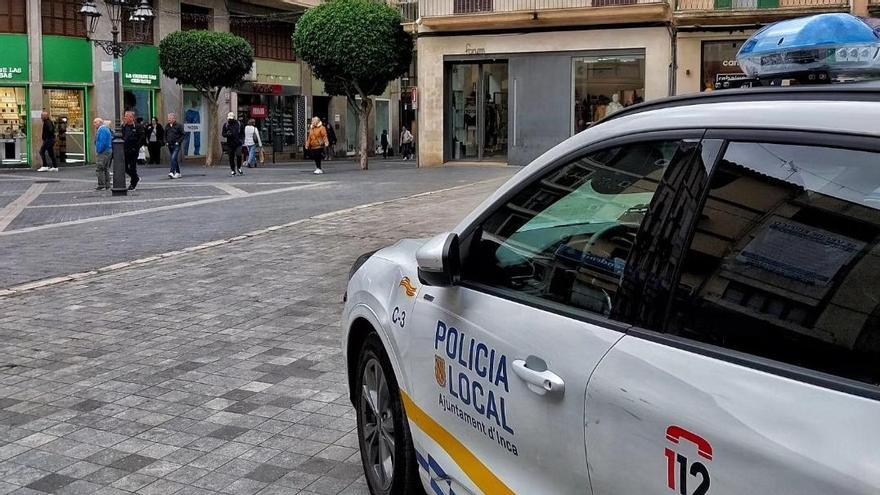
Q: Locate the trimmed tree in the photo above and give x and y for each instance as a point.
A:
(208, 62)
(356, 47)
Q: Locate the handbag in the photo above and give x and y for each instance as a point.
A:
(261, 155)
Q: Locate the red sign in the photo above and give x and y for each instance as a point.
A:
(415, 98)
(268, 89)
(259, 111)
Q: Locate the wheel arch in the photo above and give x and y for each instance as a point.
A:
(364, 322)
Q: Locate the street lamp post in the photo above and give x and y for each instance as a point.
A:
(141, 16)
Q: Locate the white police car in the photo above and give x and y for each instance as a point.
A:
(684, 299)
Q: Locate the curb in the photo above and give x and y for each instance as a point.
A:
(73, 277)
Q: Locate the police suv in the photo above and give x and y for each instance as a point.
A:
(683, 299)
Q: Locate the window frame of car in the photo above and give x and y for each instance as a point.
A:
(818, 139)
(468, 235)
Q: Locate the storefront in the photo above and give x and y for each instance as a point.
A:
(720, 69)
(276, 109)
(140, 82)
(67, 76)
(14, 101)
(274, 100)
(494, 99)
(706, 60)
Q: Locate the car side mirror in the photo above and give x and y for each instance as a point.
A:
(439, 261)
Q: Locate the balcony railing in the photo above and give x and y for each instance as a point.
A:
(438, 8)
(409, 9)
(738, 5)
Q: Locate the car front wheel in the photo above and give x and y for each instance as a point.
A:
(386, 447)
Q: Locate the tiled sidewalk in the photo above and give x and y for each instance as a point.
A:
(217, 371)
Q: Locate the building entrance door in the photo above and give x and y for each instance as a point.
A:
(476, 116)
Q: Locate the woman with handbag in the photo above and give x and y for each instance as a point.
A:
(252, 141)
(316, 143)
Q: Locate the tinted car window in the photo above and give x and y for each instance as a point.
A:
(567, 236)
(784, 260)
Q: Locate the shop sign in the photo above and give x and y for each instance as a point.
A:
(415, 98)
(10, 72)
(142, 79)
(13, 57)
(259, 111)
(268, 89)
(140, 67)
(473, 50)
(726, 81)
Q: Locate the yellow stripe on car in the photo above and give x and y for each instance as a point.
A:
(485, 480)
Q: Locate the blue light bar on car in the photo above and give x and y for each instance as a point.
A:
(829, 45)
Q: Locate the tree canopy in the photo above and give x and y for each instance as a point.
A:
(205, 60)
(354, 46)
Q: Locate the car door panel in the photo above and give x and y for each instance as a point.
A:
(461, 365)
(765, 433)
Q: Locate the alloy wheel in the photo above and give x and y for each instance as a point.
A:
(378, 423)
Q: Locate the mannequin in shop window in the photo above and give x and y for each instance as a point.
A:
(614, 106)
(601, 108)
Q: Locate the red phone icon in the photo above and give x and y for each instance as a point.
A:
(676, 433)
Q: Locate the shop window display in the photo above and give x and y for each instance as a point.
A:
(194, 115)
(138, 101)
(13, 126)
(66, 108)
(720, 68)
(604, 85)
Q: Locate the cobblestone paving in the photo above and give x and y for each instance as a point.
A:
(218, 371)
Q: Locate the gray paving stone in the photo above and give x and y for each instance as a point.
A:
(216, 371)
(51, 483)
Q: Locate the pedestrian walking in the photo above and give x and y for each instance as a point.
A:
(155, 140)
(331, 138)
(233, 133)
(104, 152)
(383, 142)
(406, 143)
(316, 143)
(252, 140)
(133, 136)
(48, 147)
(174, 135)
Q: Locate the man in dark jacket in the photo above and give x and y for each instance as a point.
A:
(48, 147)
(133, 135)
(234, 134)
(174, 135)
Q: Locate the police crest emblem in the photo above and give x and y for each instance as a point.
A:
(440, 371)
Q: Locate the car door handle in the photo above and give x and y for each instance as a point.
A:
(533, 370)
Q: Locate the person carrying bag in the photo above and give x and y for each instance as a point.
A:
(253, 142)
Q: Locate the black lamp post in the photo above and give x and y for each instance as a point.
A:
(141, 16)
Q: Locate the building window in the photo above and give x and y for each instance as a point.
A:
(195, 18)
(130, 34)
(62, 17)
(13, 16)
(604, 85)
(270, 39)
(720, 68)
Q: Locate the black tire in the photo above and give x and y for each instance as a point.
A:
(403, 478)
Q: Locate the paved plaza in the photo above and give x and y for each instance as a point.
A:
(54, 224)
(210, 371)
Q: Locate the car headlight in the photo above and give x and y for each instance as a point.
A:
(359, 262)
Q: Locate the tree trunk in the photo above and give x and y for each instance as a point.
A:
(212, 136)
(364, 111)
